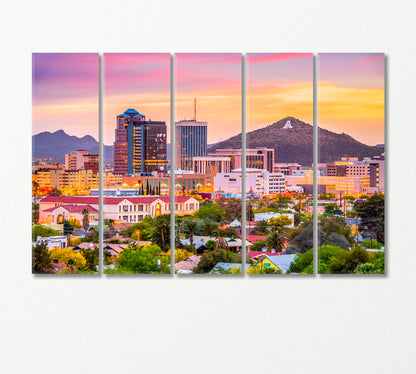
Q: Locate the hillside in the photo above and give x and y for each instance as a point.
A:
(55, 145)
(295, 144)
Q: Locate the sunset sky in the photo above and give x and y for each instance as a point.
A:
(65, 93)
(135, 80)
(278, 85)
(351, 95)
(214, 79)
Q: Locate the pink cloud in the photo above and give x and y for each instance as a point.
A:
(375, 58)
(272, 57)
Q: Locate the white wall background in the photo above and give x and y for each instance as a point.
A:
(205, 325)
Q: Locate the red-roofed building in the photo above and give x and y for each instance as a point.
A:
(121, 209)
(70, 212)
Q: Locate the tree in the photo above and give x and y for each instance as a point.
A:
(85, 220)
(209, 228)
(279, 223)
(210, 259)
(41, 259)
(191, 225)
(258, 245)
(275, 241)
(55, 192)
(210, 210)
(40, 230)
(141, 261)
(232, 208)
(303, 263)
(68, 228)
(92, 257)
(371, 212)
(69, 257)
(161, 231)
(348, 262)
(261, 228)
(332, 209)
(111, 226)
(265, 270)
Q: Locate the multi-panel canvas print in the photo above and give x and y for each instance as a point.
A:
(351, 163)
(279, 156)
(208, 156)
(65, 163)
(241, 128)
(136, 176)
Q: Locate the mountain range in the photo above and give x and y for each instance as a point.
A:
(56, 144)
(294, 143)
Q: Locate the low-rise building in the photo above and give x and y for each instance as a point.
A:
(123, 209)
(52, 241)
(259, 182)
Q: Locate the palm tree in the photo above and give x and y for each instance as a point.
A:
(111, 227)
(275, 241)
(191, 226)
(85, 220)
(221, 243)
(261, 227)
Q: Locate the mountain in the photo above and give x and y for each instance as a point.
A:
(294, 143)
(56, 144)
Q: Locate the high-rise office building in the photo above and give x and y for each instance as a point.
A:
(191, 141)
(140, 145)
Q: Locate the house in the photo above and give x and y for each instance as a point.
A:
(69, 212)
(85, 245)
(186, 266)
(114, 249)
(52, 241)
(281, 262)
(221, 267)
(255, 254)
(233, 244)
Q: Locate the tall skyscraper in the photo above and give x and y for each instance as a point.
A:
(191, 141)
(140, 145)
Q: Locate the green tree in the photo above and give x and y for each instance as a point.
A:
(261, 228)
(332, 209)
(348, 262)
(161, 231)
(276, 241)
(210, 259)
(303, 263)
(371, 212)
(209, 228)
(191, 225)
(41, 259)
(258, 245)
(141, 261)
(210, 210)
(40, 230)
(68, 228)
